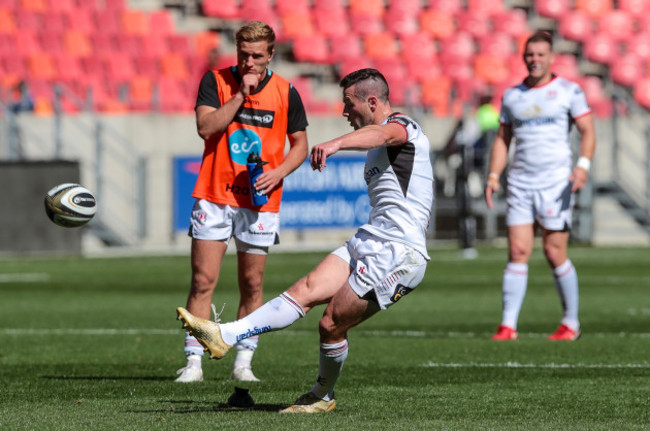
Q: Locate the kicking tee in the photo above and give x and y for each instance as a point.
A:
(540, 119)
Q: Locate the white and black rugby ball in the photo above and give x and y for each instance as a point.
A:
(70, 205)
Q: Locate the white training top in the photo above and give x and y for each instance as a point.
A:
(541, 118)
(400, 186)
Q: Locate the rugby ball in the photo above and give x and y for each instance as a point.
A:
(70, 205)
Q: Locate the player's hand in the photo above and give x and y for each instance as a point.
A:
(579, 178)
(249, 83)
(491, 187)
(320, 153)
(268, 181)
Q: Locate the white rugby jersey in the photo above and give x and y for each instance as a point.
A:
(400, 186)
(541, 118)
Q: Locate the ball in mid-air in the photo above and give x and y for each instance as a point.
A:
(70, 205)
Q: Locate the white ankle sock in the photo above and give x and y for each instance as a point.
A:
(245, 350)
(192, 346)
(331, 360)
(515, 280)
(276, 314)
(566, 283)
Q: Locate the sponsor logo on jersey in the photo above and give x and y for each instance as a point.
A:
(243, 142)
(256, 117)
(400, 291)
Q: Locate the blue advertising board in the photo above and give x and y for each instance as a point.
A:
(334, 198)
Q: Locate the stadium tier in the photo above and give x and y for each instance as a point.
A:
(129, 59)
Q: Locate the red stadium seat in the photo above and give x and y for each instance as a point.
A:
(81, 20)
(154, 45)
(412, 7)
(172, 96)
(134, 21)
(485, 7)
(352, 64)
(438, 23)
(421, 69)
(635, 7)
(457, 68)
(296, 24)
(513, 22)
(369, 7)
(595, 8)
(448, 6)
(119, 67)
(147, 66)
(227, 9)
(626, 70)
(286, 6)
(54, 22)
(363, 23)
(639, 45)
(26, 43)
(496, 43)
(102, 43)
(518, 70)
(420, 45)
(473, 23)
(642, 92)
(161, 22)
(601, 105)
(107, 21)
(601, 48)
(311, 48)
(68, 67)
(555, 9)
(331, 22)
(576, 25)
(401, 21)
(459, 45)
(28, 20)
(566, 65)
(50, 41)
(130, 44)
(380, 45)
(618, 24)
(344, 47)
(64, 6)
(179, 43)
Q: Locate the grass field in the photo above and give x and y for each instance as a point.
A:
(93, 344)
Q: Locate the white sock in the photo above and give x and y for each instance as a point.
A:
(245, 350)
(192, 346)
(194, 361)
(566, 283)
(276, 314)
(515, 280)
(331, 360)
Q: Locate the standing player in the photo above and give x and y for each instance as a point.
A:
(385, 260)
(240, 110)
(541, 182)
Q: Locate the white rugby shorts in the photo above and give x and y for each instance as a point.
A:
(382, 270)
(211, 221)
(551, 207)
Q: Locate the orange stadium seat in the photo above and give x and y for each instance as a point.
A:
(380, 45)
(174, 65)
(77, 43)
(553, 8)
(576, 25)
(33, 5)
(42, 66)
(297, 24)
(140, 93)
(438, 23)
(134, 22)
(204, 41)
(595, 8)
(618, 24)
(436, 93)
(227, 9)
(642, 92)
(601, 48)
(370, 7)
(7, 22)
(491, 68)
(485, 7)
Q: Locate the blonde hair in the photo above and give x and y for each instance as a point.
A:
(256, 31)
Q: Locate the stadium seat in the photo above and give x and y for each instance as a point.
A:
(576, 25)
(50, 41)
(119, 67)
(642, 92)
(161, 22)
(436, 93)
(33, 5)
(26, 43)
(296, 24)
(393, 69)
(380, 45)
(171, 96)
(412, 7)
(473, 23)
(114, 5)
(419, 45)
(448, 6)
(363, 23)
(319, 6)
(204, 41)
(438, 23)
(146, 65)
(457, 68)
(594, 8)
(102, 43)
(423, 68)
(93, 66)
(283, 7)
(635, 7)
(496, 43)
(553, 8)
(28, 20)
(107, 21)
(639, 45)
(41, 65)
(14, 65)
(627, 69)
(618, 24)
(63, 6)
(485, 7)
(227, 9)
(491, 68)
(154, 45)
(306, 91)
(77, 43)
(513, 22)
(566, 65)
(601, 48)
(6, 44)
(351, 64)
(68, 67)
(129, 44)
(459, 45)
(601, 105)
(369, 7)
(54, 22)
(311, 48)
(7, 21)
(401, 21)
(344, 47)
(265, 14)
(179, 43)
(518, 70)
(331, 22)
(174, 65)
(140, 93)
(81, 20)
(134, 21)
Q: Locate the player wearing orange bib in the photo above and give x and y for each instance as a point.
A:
(240, 110)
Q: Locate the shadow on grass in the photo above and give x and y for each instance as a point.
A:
(189, 407)
(151, 378)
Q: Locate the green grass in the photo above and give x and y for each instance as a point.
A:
(93, 344)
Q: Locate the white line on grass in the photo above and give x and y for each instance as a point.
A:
(518, 365)
(27, 277)
(292, 332)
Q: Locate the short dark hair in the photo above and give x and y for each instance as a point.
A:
(541, 36)
(372, 83)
